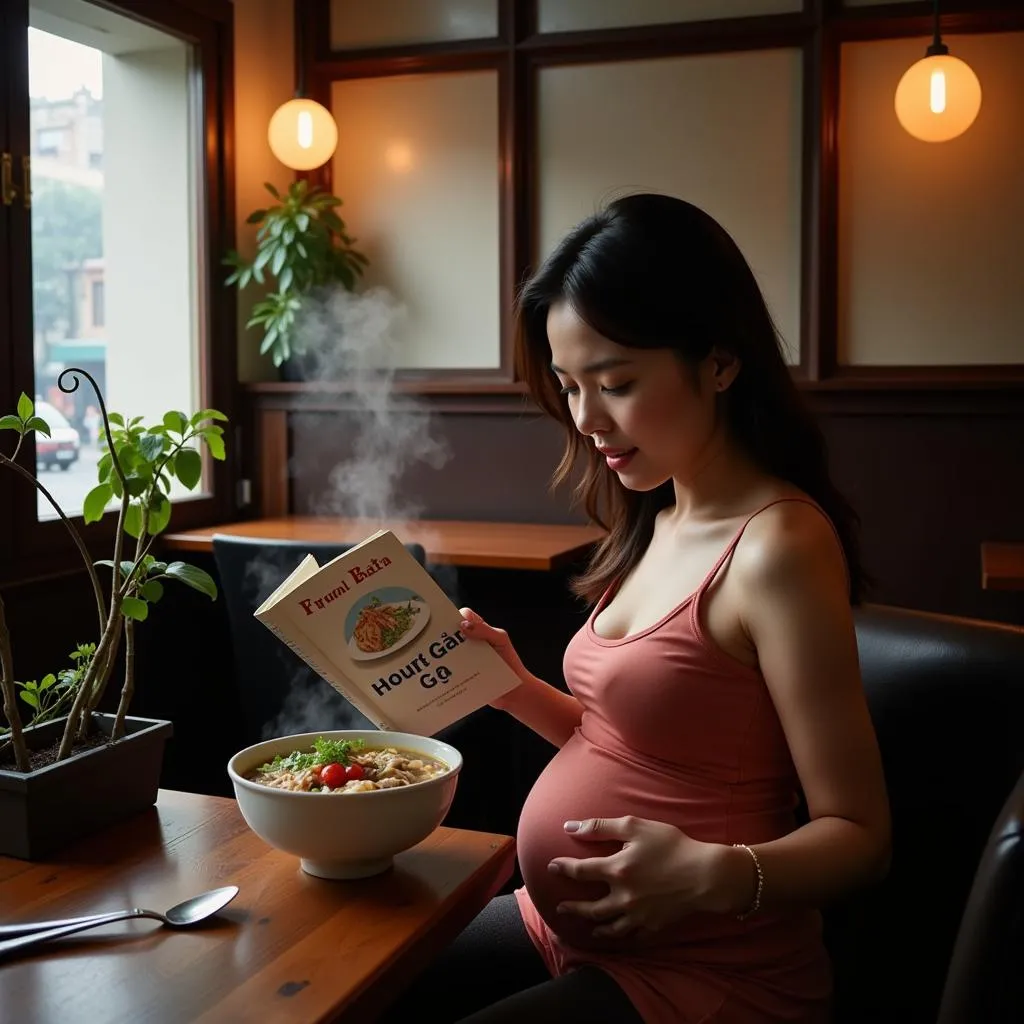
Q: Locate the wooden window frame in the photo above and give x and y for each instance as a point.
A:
(32, 549)
(517, 54)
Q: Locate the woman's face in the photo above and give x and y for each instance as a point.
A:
(649, 415)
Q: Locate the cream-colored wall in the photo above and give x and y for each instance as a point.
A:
(931, 235)
(264, 79)
(149, 233)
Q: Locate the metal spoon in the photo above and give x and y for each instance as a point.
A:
(190, 912)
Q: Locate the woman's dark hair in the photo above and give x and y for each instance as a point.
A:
(652, 271)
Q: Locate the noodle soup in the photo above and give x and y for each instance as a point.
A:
(346, 766)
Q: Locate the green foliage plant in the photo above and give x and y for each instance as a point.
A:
(137, 467)
(301, 244)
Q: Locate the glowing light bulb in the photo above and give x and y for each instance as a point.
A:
(302, 134)
(938, 98)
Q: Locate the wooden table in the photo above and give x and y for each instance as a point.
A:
(447, 542)
(1002, 566)
(290, 948)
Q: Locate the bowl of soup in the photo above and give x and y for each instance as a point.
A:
(345, 802)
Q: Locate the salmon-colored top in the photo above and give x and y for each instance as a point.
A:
(674, 730)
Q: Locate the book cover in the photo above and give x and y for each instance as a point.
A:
(376, 626)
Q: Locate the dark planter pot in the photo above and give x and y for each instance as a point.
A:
(48, 808)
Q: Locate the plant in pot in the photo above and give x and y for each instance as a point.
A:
(302, 246)
(70, 769)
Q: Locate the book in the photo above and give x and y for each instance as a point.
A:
(375, 625)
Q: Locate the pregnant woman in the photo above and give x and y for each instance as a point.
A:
(668, 878)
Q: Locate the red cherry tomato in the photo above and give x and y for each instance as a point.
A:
(353, 771)
(332, 776)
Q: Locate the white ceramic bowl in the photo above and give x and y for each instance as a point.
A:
(345, 835)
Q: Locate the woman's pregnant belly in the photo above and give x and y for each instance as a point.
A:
(584, 781)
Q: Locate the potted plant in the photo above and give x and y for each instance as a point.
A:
(301, 245)
(70, 769)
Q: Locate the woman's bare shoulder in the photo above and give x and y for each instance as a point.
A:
(786, 543)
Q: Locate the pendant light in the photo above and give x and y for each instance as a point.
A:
(939, 97)
(302, 133)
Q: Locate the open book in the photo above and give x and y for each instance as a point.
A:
(375, 624)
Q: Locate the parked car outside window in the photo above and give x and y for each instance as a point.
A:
(61, 448)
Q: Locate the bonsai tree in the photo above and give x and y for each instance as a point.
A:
(137, 467)
(301, 245)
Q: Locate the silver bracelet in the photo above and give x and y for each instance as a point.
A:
(755, 906)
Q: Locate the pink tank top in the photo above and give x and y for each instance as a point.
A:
(675, 730)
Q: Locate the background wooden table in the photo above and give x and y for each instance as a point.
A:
(447, 541)
(290, 948)
(1002, 566)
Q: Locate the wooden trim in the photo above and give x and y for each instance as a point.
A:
(861, 24)
(985, 377)
(411, 64)
(825, 253)
(272, 458)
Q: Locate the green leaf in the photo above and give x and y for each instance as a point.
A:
(47, 681)
(10, 422)
(255, 217)
(188, 464)
(25, 406)
(159, 515)
(137, 485)
(95, 503)
(135, 608)
(37, 423)
(116, 418)
(152, 591)
(263, 258)
(151, 447)
(269, 338)
(285, 281)
(280, 255)
(193, 577)
(133, 522)
(216, 445)
(30, 699)
(153, 567)
(175, 422)
(207, 414)
(273, 191)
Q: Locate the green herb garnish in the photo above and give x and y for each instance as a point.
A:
(324, 752)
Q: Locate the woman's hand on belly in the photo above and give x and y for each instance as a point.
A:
(659, 875)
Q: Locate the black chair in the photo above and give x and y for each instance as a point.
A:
(947, 698)
(278, 693)
(985, 984)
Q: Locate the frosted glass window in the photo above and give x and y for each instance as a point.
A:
(356, 24)
(576, 15)
(721, 131)
(931, 252)
(417, 170)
